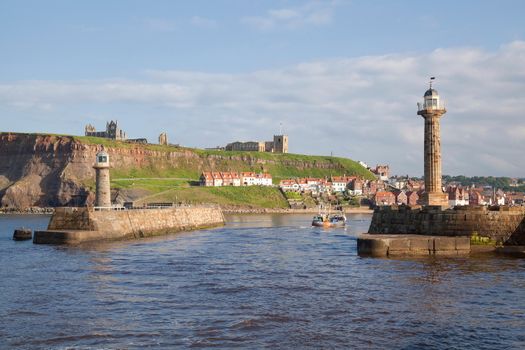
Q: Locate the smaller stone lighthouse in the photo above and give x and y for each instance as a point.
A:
(103, 189)
(432, 109)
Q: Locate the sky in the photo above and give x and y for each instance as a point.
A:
(340, 77)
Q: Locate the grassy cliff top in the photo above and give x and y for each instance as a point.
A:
(281, 166)
(278, 164)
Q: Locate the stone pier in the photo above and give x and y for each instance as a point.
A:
(78, 225)
(403, 230)
(411, 245)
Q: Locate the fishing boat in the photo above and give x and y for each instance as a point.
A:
(329, 220)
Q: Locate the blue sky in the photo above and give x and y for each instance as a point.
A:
(342, 76)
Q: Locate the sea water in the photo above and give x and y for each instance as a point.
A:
(262, 281)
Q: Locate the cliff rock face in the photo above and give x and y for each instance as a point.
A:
(50, 170)
(42, 170)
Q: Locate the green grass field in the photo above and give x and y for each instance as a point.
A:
(253, 196)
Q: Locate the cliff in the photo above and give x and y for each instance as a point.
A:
(56, 170)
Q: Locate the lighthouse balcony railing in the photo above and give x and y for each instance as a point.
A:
(431, 105)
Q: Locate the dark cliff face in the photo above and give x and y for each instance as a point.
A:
(33, 170)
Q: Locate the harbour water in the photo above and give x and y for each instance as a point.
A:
(262, 281)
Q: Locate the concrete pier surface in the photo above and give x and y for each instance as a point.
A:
(78, 225)
(378, 245)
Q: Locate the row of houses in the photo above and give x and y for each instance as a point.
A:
(457, 196)
(230, 178)
(354, 185)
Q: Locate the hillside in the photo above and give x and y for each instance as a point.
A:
(54, 170)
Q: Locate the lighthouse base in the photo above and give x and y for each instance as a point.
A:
(435, 198)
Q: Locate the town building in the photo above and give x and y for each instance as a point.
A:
(412, 198)
(236, 179)
(382, 172)
(384, 198)
(250, 146)
(401, 197)
(398, 182)
(206, 179)
(248, 178)
(499, 197)
(228, 178)
(476, 197)
(289, 185)
(217, 179)
(356, 186)
(263, 179)
(278, 145)
(457, 196)
(341, 183)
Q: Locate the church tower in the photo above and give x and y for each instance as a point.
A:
(280, 143)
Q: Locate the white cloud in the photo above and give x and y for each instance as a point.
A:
(314, 13)
(364, 107)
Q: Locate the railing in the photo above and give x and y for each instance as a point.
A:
(432, 105)
(155, 206)
(108, 208)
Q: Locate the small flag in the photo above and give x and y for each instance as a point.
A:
(432, 78)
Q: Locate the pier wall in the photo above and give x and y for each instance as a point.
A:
(503, 225)
(77, 225)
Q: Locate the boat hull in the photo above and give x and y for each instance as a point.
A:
(327, 224)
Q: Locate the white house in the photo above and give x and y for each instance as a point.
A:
(339, 183)
(263, 179)
(236, 179)
(289, 185)
(248, 179)
(217, 179)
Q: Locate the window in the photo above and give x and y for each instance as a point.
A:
(102, 159)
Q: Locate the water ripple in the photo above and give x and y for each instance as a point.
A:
(263, 281)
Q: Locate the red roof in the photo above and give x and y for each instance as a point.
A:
(384, 194)
(287, 182)
(345, 179)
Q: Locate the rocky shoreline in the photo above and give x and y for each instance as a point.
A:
(28, 211)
